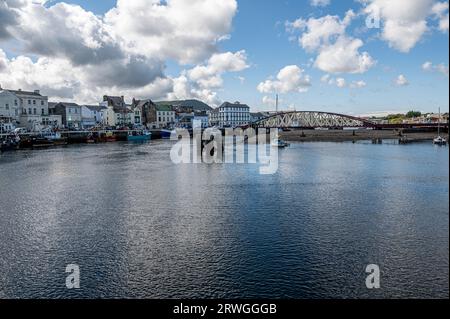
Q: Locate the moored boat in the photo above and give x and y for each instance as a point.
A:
(277, 142)
(10, 144)
(139, 136)
(165, 134)
(440, 141)
(110, 137)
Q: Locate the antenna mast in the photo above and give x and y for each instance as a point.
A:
(277, 103)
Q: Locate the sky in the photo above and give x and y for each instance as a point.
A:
(359, 57)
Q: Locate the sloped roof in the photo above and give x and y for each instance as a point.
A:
(237, 104)
(163, 108)
(97, 108)
(196, 105)
(19, 92)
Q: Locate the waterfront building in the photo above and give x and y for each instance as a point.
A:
(70, 113)
(9, 107)
(92, 115)
(118, 113)
(145, 113)
(154, 115)
(31, 108)
(230, 115)
(165, 116)
(201, 117)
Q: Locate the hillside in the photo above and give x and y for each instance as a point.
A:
(194, 104)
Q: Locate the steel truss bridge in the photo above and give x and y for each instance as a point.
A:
(314, 119)
(309, 119)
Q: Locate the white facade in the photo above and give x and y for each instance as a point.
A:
(230, 115)
(202, 120)
(9, 106)
(164, 116)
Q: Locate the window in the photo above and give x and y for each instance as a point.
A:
(70, 111)
(7, 106)
(42, 111)
(15, 102)
(34, 102)
(29, 111)
(29, 102)
(34, 111)
(42, 103)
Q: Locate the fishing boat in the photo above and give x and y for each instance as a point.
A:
(439, 140)
(279, 143)
(56, 138)
(110, 137)
(139, 136)
(11, 143)
(165, 134)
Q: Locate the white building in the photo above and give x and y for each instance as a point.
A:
(164, 116)
(230, 115)
(9, 107)
(31, 109)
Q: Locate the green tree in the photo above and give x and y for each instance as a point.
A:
(412, 114)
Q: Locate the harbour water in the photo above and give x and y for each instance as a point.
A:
(140, 226)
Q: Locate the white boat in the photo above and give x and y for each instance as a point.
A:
(279, 143)
(439, 140)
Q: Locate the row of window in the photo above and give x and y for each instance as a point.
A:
(233, 109)
(32, 111)
(32, 102)
(162, 113)
(165, 119)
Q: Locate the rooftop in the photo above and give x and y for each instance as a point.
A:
(36, 93)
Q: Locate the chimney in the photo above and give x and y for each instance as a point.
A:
(37, 92)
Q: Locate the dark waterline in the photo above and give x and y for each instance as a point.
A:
(140, 226)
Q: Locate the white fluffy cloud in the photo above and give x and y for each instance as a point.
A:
(320, 3)
(290, 79)
(209, 75)
(401, 80)
(440, 11)
(186, 31)
(336, 51)
(344, 57)
(82, 56)
(342, 83)
(430, 67)
(358, 84)
(405, 21)
(201, 81)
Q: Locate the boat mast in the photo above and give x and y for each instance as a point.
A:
(276, 103)
(439, 123)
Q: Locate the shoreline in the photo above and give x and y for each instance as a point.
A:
(348, 136)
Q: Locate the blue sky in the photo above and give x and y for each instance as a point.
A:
(259, 28)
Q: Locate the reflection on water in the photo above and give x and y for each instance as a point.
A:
(140, 226)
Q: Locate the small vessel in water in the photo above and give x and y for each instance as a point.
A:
(110, 137)
(11, 143)
(439, 140)
(139, 136)
(279, 143)
(165, 134)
